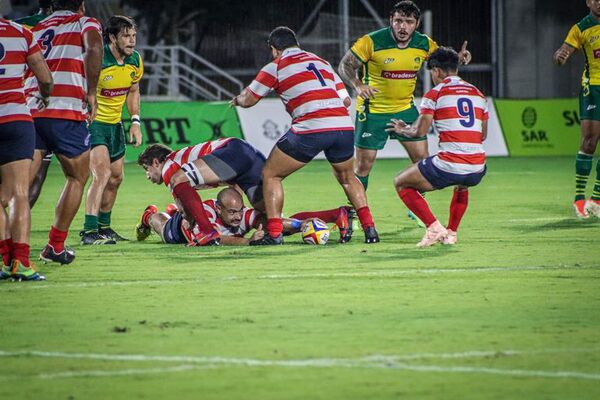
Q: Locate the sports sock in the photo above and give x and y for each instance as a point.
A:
(274, 227)
(417, 204)
(365, 217)
(57, 239)
(146, 217)
(104, 219)
(458, 207)
(21, 253)
(326, 215)
(583, 167)
(192, 205)
(90, 223)
(5, 250)
(596, 192)
(364, 180)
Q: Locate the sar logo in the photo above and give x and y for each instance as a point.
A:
(388, 60)
(529, 117)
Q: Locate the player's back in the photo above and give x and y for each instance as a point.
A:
(60, 37)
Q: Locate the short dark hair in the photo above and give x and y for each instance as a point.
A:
(157, 150)
(282, 37)
(116, 24)
(406, 7)
(70, 5)
(44, 4)
(445, 58)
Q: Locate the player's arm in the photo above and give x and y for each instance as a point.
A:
(133, 106)
(39, 67)
(484, 129)
(563, 53)
(348, 70)
(92, 63)
(418, 129)
(245, 99)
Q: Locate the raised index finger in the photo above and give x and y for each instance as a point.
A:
(464, 46)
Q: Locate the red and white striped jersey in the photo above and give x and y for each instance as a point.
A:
(61, 38)
(16, 44)
(313, 94)
(248, 217)
(188, 154)
(458, 110)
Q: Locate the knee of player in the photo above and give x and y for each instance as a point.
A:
(398, 183)
(116, 180)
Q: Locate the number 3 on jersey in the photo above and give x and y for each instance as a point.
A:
(465, 109)
(46, 42)
(2, 54)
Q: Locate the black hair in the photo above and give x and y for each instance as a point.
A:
(282, 37)
(44, 4)
(116, 24)
(444, 58)
(70, 5)
(157, 150)
(407, 8)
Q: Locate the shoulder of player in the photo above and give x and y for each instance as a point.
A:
(135, 59)
(420, 41)
(586, 23)
(382, 39)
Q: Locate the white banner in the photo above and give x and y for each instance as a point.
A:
(264, 123)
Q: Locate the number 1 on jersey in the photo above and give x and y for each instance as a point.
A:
(2, 54)
(312, 68)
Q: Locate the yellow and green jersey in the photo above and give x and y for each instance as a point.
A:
(31, 20)
(391, 70)
(585, 36)
(114, 84)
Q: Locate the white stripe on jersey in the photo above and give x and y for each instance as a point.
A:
(324, 123)
(7, 109)
(453, 124)
(64, 51)
(461, 148)
(310, 106)
(457, 168)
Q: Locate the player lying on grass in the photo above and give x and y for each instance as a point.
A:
(228, 161)
(459, 112)
(228, 215)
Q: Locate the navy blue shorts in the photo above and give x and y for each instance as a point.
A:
(238, 162)
(337, 145)
(62, 136)
(17, 141)
(440, 179)
(172, 233)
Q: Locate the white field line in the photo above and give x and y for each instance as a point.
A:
(540, 219)
(370, 362)
(8, 286)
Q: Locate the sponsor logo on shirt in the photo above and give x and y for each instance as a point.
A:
(107, 78)
(388, 60)
(399, 74)
(114, 92)
(596, 53)
(366, 134)
(591, 107)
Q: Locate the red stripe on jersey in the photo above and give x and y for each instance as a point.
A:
(460, 137)
(66, 65)
(340, 86)
(247, 216)
(186, 155)
(473, 159)
(55, 21)
(67, 38)
(14, 57)
(11, 83)
(266, 79)
(296, 59)
(322, 94)
(432, 95)
(459, 90)
(59, 114)
(256, 96)
(68, 91)
(5, 119)
(170, 172)
(302, 77)
(452, 113)
(12, 97)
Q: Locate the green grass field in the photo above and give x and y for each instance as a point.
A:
(512, 311)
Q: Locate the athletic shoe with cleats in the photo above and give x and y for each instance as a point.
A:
(5, 273)
(171, 209)
(451, 238)
(206, 239)
(142, 230)
(593, 207)
(418, 221)
(371, 235)
(23, 273)
(64, 257)
(435, 233)
(109, 233)
(267, 240)
(580, 211)
(94, 238)
(344, 223)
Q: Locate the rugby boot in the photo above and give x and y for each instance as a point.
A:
(206, 239)
(371, 235)
(268, 240)
(23, 273)
(94, 238)
(64, 257)
(142, 230)
(5, 273)
(435, 233)
(171, 209)
(580, 209)
(593, 207)
(344, 223)
(109, 233)
(451, 238)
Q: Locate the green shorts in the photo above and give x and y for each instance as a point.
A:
(589, 102)
(370, 128)
(110, 135)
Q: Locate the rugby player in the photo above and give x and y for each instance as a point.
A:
(122, 69)
(72, 45)
(459, 112)
(229, 161)
(317, 101)
(389, 60)
(583, 36)
(18, 51)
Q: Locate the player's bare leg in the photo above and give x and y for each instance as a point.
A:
(109, 196)
(38, 172)
(590, 134)
(5, 242)
(417, 151)
(363, 163)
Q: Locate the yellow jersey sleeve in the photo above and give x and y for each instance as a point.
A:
(433, 46)
(574, 38)
(363, 49)
(139, 72)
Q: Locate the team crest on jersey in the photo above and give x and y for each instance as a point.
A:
(132, 75)
(593, 39)
(417, 60)
(107, 78)
(389, 60)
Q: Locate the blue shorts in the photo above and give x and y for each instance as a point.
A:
(337, 145)
(440, 179)
(238, 162)
(172, 233)
(17, 141)
(62, 136)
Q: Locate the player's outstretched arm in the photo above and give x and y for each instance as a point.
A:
(244, 99)
(348, 70)
(484, 129)
(418, 129)
(563, 53)
(39, 67)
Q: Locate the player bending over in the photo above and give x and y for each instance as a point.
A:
(228, 161)
(459, 112)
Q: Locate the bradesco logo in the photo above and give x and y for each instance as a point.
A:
(399, 74)
(532, 137)
(114, 92)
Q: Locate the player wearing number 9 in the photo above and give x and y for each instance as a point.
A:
(459, 113)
